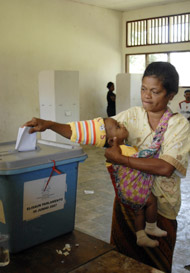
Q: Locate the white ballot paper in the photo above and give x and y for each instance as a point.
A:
(25, 141)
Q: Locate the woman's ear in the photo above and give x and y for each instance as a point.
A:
(171, 96)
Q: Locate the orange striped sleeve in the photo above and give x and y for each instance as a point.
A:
(94, 132)
(87, 132)
(80, 132)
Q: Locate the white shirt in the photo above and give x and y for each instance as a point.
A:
(185, 108)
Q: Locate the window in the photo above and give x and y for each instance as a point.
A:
(161, 57)
(137, 63)
(160, 30)
(179, 28)
(181, 62)
(157, 31)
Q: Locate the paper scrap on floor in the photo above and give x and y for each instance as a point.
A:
(88, 192)
(25, 141)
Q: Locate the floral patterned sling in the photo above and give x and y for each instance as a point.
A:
(133, 187)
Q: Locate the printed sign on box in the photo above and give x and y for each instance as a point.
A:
(39, 200)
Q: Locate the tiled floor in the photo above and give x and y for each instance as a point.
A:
(94, 208)
(93, 211)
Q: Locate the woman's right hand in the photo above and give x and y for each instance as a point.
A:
(38, 125)
(113, 154)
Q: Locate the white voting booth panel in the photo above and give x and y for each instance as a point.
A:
(59, 99)
(128, 91)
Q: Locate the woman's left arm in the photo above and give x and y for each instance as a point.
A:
(154, 166)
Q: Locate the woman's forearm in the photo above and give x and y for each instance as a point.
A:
(154, 166)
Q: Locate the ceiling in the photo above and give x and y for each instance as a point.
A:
(126, 5)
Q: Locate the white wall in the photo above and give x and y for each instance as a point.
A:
(181, 7)
(41, 35)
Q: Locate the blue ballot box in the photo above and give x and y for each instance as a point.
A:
(37, 192)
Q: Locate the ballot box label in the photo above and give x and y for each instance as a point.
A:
(44, 196)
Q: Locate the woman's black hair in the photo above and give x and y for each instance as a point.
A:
(165, 72)
(109, 84)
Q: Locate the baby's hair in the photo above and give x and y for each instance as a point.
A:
(187, 91)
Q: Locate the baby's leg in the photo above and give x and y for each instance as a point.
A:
(142, 238)
(151, 218)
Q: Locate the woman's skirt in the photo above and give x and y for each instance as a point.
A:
(123, 236)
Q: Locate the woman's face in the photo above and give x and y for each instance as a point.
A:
(153, 95)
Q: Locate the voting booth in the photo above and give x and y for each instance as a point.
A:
(37, 192)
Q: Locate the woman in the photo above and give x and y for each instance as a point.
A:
(159, 86)
(111, 97)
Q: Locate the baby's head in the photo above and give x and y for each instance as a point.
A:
(115, 129)
(99, 132)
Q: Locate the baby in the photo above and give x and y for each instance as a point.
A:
(101, 132)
